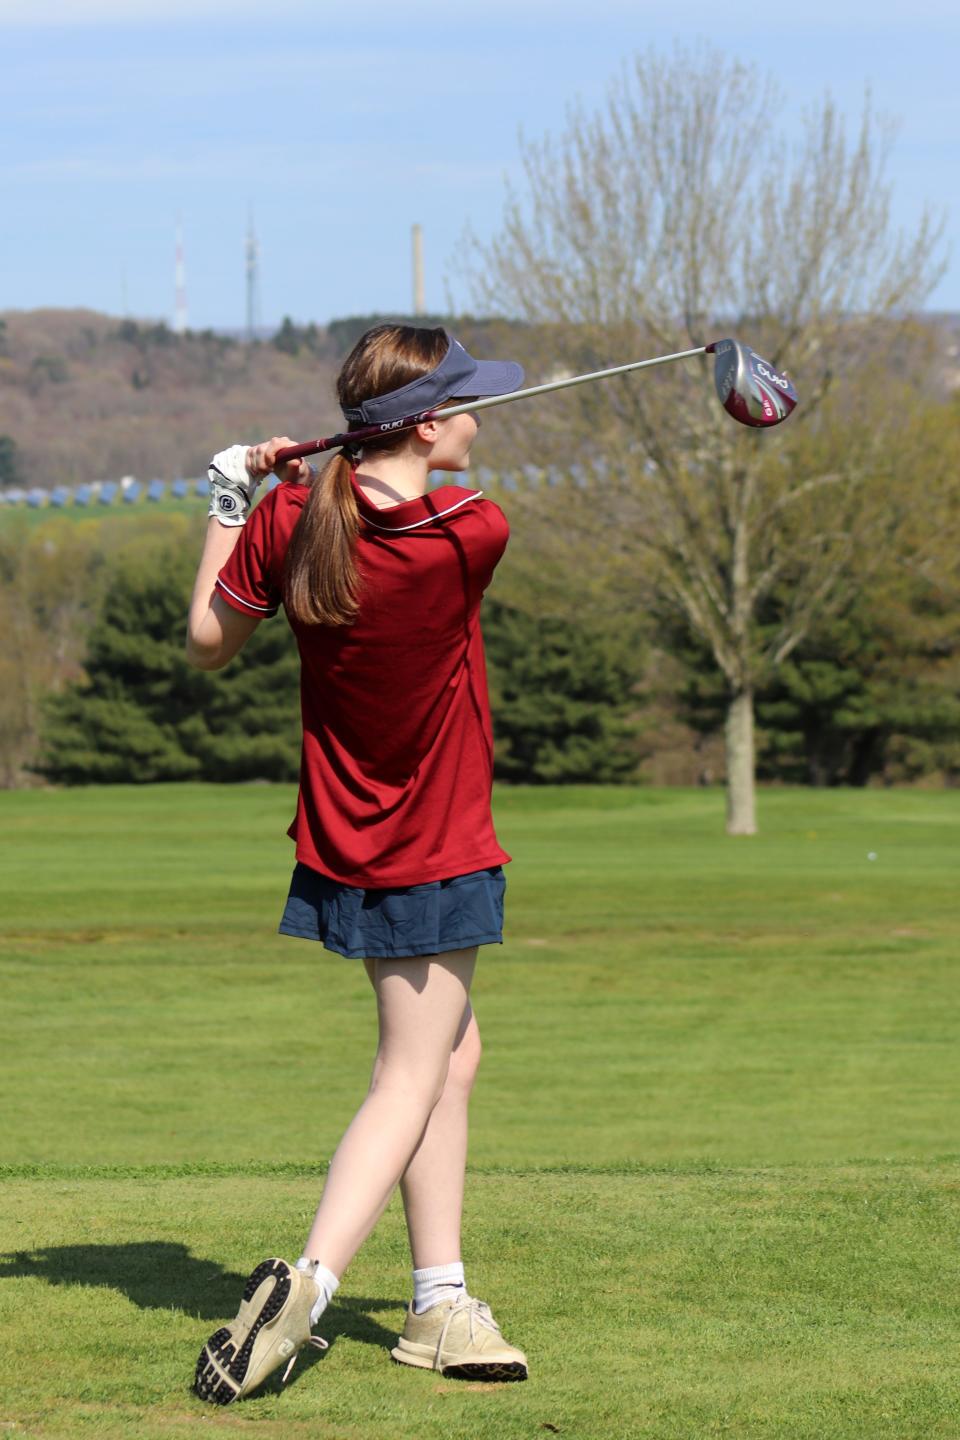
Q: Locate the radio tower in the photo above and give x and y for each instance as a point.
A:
(252, 251)
(179, 287)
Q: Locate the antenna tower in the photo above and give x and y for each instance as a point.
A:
(179, 286)
(252, 252)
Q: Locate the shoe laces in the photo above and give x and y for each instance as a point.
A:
(316, 1342)
(478, 1314)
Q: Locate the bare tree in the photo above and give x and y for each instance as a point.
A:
(676, 213)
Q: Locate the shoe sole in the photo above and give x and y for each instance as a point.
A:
(222, 1365)
(422, 1357)
(506, 1371)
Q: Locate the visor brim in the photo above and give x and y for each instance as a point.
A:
(492, 377)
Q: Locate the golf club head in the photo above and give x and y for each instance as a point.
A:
(749, 388)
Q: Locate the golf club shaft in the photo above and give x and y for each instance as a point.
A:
(372, 432)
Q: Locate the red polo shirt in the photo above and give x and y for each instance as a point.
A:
(397, 760)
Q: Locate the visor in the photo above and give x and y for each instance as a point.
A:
(457, 374)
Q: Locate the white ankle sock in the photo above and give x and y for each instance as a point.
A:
(326, 1280)
(436, 1283)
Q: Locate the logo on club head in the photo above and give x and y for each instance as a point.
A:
(772, 375)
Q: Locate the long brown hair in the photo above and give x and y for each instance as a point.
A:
(321, 583)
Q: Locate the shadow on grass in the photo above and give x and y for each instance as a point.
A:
(160, 1275)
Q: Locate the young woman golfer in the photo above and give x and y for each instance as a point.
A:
(397, 860)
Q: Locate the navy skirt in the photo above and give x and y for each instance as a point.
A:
(453, 914)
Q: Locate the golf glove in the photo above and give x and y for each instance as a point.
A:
(232, 487)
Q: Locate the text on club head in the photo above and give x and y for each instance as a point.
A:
(768, 374)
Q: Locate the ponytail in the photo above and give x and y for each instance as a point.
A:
(321, 585)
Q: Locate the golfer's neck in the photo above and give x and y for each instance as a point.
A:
(390, 479)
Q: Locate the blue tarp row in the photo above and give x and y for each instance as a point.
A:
(102, 492)
(106, 492)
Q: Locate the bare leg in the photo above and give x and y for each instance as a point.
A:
(432, 1184)
(420, 1006)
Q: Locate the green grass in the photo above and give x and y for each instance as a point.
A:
(137, 511)
(715, 1166)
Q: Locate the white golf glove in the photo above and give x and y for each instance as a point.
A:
(232, 487)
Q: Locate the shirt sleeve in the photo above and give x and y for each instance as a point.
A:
(248, 580)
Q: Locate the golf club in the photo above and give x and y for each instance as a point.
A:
(748, 386)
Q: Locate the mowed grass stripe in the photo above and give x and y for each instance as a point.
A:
(822, 1308)
(259, 1169)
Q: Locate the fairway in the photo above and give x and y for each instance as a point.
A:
(715, 1169)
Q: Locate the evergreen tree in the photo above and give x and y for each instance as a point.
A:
(561, 697)
(143, 714)
(11, 471)
(872, 691)
(287, 338)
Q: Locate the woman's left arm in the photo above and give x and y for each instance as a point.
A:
(215, 630)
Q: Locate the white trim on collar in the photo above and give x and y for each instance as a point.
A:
(428, 519)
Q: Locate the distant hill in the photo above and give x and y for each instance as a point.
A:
(86, 396)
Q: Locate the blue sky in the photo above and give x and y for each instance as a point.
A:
(345, 124)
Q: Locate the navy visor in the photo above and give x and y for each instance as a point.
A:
(457, 374)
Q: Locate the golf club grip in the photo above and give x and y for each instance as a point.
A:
(300, 452)
(350, 437)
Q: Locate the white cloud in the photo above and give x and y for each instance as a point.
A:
(322, 166)
(215, 164)
(130, 12)
(133, 12)
(701, 14)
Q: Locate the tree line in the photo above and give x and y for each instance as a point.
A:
(95, 689)
(585, 684)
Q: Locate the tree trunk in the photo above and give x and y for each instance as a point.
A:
(741, 799)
